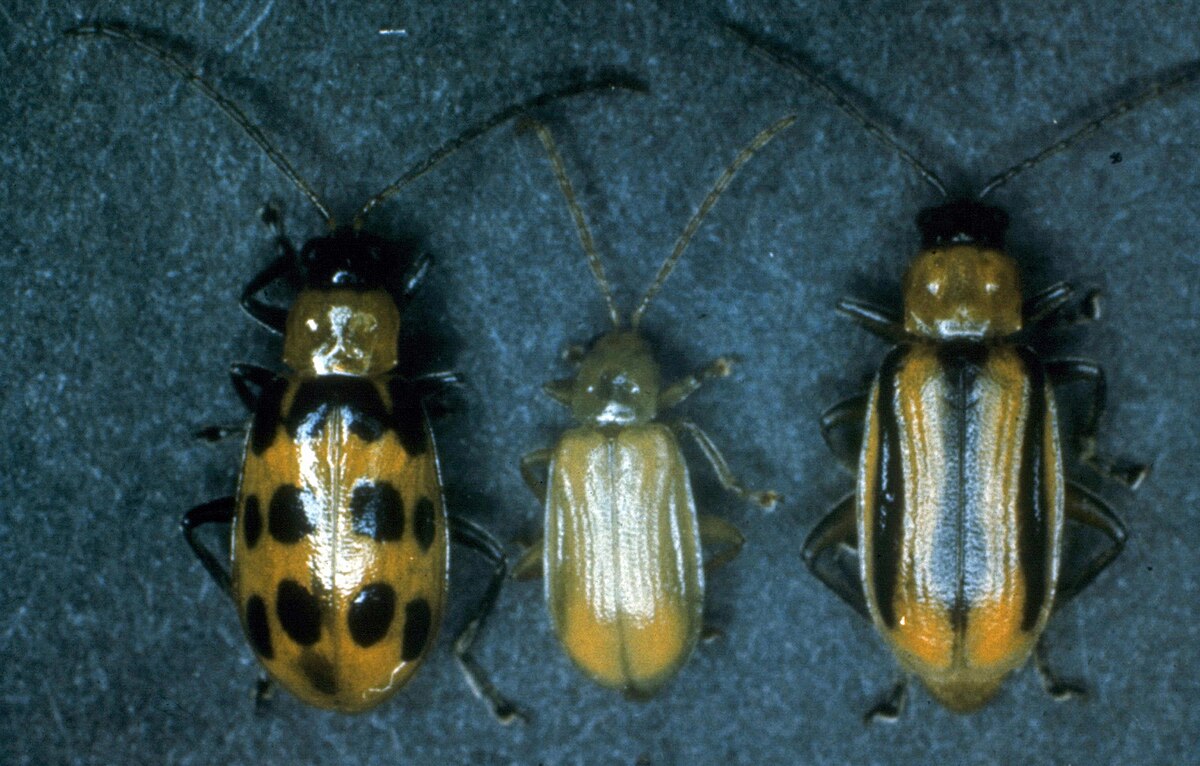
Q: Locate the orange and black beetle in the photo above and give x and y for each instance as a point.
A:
(340, 536)
(953, 542)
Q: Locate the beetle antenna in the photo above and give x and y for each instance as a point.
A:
(802, 70)
(585, 235)
(1155, 90)
(761, 140)
(231, 110)
(615, 81)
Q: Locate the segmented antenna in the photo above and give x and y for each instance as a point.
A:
(585, 235)
(231, 110)
(761, 140)
(1155, 90)
(801, 70)
(613, 82)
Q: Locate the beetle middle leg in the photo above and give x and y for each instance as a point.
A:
(1086, 508)
(1062, 371)
(715, 531)
(825, 553)
(845, 416)
(470, 535)
(219, 511)
(765, 498)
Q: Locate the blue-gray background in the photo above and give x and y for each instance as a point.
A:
(129, 227)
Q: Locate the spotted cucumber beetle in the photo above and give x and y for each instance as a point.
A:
(622, 547)
(954, 542)
(339, 531)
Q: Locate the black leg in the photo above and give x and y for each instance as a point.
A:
(1063, 371)
(476, 538)
(1047, 303)
(1086, 508)
(874, 319)
(846, 416)
(249, 381)
(1057, 688)
(831, 554)
(271, 317)
(416, 273)
(891, 706)
(219, 511)
(534, 468)
(440, 392)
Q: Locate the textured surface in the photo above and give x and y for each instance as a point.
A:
(130, 226)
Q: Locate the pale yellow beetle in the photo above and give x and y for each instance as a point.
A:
(624, 572)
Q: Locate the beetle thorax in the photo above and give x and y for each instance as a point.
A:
(617, 383)
(342, 332)
(962, 292)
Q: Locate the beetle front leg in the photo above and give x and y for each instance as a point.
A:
(535, 477)
(472, 536)
(273, 318)
(765, 498)
(873, 319)
(685, 387)
(1062, 371)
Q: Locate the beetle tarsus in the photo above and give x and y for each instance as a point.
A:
(891, 707)
(1057, 688)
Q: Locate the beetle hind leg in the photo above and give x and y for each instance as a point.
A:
(472, 536)
(1057, 688)
(891, 706)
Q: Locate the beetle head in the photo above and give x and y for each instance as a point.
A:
(346, 318)
(962, 285)
(618, 382)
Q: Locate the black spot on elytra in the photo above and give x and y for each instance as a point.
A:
(371, 614)
(361, 408)
(377, 511)
(425, 523)
(251, 520)
(299, 612)
(257, 628)
(418, 619)
(408, 415)
(267, 415)
(286, 518)
(319, 671)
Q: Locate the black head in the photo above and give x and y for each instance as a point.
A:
(963, 221)
(349, 259)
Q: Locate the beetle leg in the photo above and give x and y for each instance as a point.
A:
(846, 415)
(264, 692)
(219, 433)
(219, 511)
(765, 498)
(891, 706)
(717, 531)
(560, 390)
(874, 319)
(825, 551)
(1063, 371)
(534, 477)
(470, 535)
(271, 317)
(529, 566)
(1047, 303)
(416, 273)
(440, 392)
(248, 381)
(685, 387)
(1057, 688)
(1086, 508)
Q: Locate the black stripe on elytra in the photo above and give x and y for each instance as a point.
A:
(316, 399)
(408, 415)
(267, 415)
(1031, 493)
(418, 619)
(959, 365)
(888, 512)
